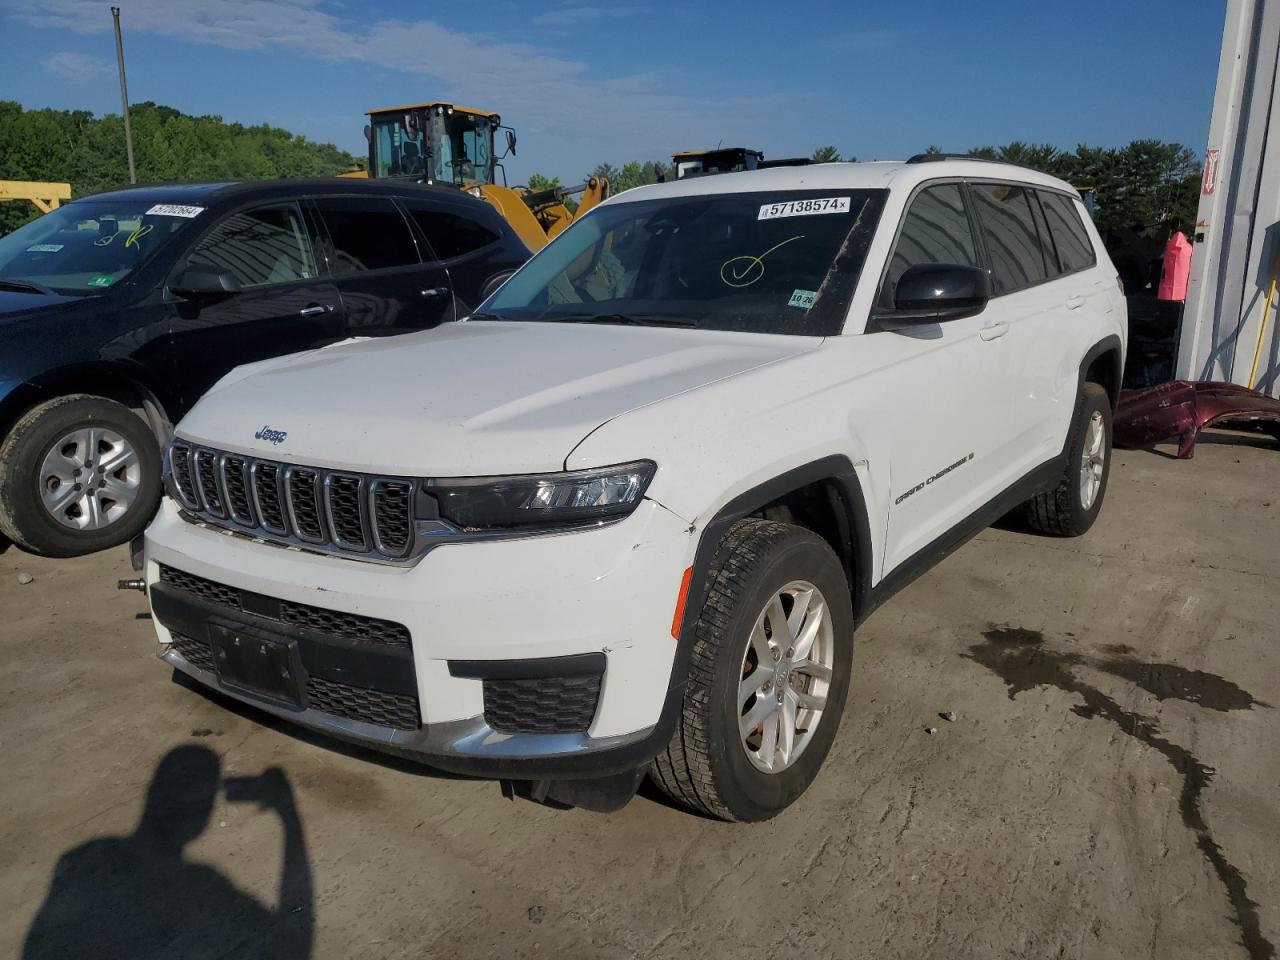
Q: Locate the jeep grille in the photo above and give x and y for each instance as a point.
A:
(333, 510)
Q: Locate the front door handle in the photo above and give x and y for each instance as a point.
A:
(316, 309)
(993, 331)
(435, 291)
(1075, 302)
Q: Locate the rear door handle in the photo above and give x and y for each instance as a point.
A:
(316, 309)
(435, 291)
(993, 331)
(1075, 302)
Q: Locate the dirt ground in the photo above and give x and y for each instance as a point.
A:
(1107, 788)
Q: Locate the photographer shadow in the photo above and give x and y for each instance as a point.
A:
(138, 896)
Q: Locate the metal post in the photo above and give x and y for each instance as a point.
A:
(124, 95)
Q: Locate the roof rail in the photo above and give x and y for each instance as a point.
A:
(932, 157)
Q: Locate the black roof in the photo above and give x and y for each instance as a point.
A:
(205, 194)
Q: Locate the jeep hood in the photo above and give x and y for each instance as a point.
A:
(466, 399)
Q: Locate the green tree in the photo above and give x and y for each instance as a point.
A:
(827, 154)
(607, 171)
(74, 146)
(538, 182)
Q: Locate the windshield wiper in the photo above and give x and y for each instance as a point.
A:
(26, 285)
(625, 319)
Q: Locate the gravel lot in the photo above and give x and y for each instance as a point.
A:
(1107, 788)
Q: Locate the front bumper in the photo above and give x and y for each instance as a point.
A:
(469, 607)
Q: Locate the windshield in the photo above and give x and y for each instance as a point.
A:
(454, 147)
(89, 245)
(776, 262)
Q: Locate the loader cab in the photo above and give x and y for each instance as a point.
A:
(701, 163)
(435, 143)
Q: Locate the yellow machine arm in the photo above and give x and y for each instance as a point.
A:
(46, 196)
(538, 217)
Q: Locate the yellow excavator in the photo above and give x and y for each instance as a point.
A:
(445, 143)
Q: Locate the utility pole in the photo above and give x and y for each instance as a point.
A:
(124, 95)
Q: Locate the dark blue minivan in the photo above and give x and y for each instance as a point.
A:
(119, 310)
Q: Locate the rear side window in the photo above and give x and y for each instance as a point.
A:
(259, 246)
(449, 234)
(1068, 232)
(1013, 243)
(935, 230)
(367, 233)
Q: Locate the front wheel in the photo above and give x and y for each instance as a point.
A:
(77, 474)
(772, 655)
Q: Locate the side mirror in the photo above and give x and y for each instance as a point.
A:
(511, 142)
(368, 132)
(937, 292)
(199, 281)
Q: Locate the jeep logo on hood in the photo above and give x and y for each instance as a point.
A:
(274, 436)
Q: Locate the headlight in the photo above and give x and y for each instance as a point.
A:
(578, 497)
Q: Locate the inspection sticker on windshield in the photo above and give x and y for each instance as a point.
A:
(44, 248)
(100, 280)
(174, 210)
(803, 298)
(803, 208)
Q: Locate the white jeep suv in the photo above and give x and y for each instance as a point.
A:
(625, 518)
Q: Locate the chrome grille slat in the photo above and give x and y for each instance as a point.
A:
(183, 478)
(305, 506)
(206, 474)
(333, 511)
(235, 481)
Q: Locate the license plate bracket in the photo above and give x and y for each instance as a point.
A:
(257, 662)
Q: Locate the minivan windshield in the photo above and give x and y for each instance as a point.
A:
(767, 262)
(89, 245)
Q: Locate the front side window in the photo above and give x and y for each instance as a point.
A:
(259, 246)
(399, 146)
(366, 233)
(1069, 236)
(89, 246)
(936, 229)
(1009, 228)
(770, 262)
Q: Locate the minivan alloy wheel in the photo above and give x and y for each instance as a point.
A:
(89, 478)
(1093, 459)
(786, 672)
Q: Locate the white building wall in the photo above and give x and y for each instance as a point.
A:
(1237, 249)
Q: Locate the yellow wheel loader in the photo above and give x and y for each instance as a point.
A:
(445, 143)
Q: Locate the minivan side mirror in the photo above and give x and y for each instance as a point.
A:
(199, 281)
(938, 292)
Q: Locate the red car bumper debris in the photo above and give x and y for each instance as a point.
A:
(1182, 408)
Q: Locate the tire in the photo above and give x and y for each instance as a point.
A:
(1066, 510)
(85, 518)
(493, 283)
(707, 766)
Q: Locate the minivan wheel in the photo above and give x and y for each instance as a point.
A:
(1070, 508)
(77, 474)
(772, 656)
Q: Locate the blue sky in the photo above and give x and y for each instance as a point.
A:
(586, 83)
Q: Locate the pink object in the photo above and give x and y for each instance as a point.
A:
(1177, 268)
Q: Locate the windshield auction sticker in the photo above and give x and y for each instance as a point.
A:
(44, 248)
(175, 210)
(804, 208)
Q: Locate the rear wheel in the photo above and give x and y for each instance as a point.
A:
(77, 474)
(772, 655)
(1070, 509)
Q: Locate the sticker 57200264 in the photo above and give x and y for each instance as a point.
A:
(174, 210)
(804, 208)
